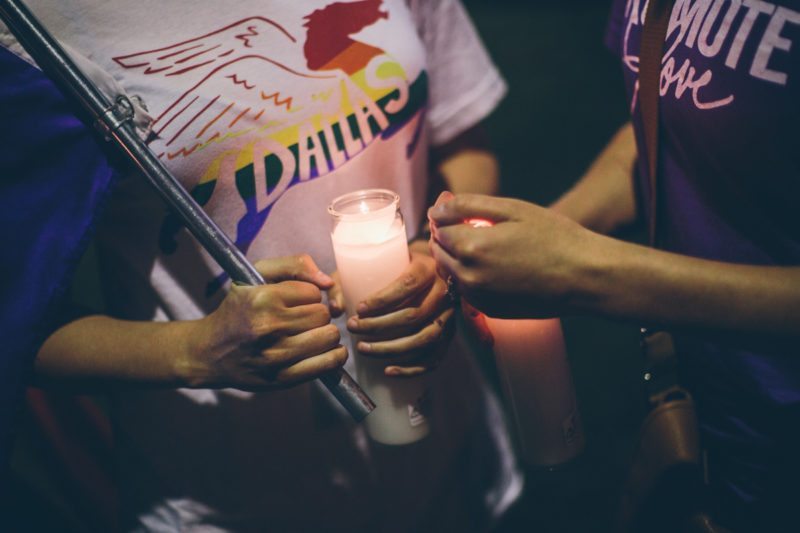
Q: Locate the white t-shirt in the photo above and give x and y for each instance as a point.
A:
(266, 111)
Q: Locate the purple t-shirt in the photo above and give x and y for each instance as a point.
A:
(729, 175)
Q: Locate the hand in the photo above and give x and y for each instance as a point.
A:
(412, 317)
(525, 265)
(271, 336)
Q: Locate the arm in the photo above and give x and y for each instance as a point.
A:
(574, 270)
(259, 338)
(603, 200)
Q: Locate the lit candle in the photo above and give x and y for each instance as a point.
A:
(371, 251)
(536, 379)
(531, 360)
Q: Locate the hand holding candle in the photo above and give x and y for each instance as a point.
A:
(528, 264)
(397, 309)
(410, 317)
(531, 361)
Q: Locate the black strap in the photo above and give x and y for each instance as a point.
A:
(650, 54)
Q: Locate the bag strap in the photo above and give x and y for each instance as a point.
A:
(650, 54)
(658, 348)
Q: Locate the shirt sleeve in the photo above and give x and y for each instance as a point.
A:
(465, 86)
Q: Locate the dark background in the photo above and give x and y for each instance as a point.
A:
(565, 100)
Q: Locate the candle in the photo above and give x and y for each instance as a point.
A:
(531, 360)
(535, 376)
(371, 251)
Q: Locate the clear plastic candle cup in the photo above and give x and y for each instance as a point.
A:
(371, 251)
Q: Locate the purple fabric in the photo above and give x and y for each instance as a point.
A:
(53, 177)
(729, 170)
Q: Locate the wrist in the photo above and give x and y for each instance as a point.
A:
(594, 275)
(189, 365)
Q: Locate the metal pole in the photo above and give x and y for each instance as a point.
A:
(113, 119)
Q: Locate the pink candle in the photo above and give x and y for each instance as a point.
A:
(532, 362)
(535, 376)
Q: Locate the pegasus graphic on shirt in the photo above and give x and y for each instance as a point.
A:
(278, 111)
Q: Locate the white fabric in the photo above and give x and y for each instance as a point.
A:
(232, 88)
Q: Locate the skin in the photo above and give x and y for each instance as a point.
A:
(277, 335)
(538, 262)
(410, 322)
(260, 338)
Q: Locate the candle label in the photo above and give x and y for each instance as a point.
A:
(418, 411)
(570, 429)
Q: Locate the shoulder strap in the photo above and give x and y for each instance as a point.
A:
(650, 54)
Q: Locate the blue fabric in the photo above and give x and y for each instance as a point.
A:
(53, 176)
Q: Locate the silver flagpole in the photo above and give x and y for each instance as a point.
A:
(114, 121)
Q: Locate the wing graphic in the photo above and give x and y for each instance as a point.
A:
(236, 39)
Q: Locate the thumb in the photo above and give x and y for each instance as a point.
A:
(293, 267)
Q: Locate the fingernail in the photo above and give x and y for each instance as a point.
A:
(362, 308)
(364, 346)
(391, 371)
(352, 323)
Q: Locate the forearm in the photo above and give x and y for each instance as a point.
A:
(99, 350)
(633, 282)
(603, 199)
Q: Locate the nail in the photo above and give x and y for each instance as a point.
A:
(352, 323)
(362, 308)
(391, 371)
(364, 346)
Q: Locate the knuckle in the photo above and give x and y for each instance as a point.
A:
(471, 279)
(332, 334)
(303, 262)
(466, 249)
(411, 315)
(321, 313)
(433, 334)
(410, 280)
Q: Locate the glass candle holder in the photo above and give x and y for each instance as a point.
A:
(371, 251)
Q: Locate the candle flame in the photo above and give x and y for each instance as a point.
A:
(479, 223)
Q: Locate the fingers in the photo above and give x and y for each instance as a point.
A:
(291, 349)
(293, 267)
(312, 367)
(302, 318)
(420, 274)
(462, 241)
(446, 265)
(403, 321)
(417, 368)
(466, 206)
(424, 338)
(293, 293)
(336, 296)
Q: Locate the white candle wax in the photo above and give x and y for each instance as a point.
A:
(371, 251)
(536, 379)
